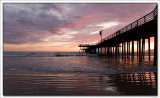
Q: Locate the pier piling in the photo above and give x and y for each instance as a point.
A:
(133, 49)
(149, 48)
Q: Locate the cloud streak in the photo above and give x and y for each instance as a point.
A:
(70, 23)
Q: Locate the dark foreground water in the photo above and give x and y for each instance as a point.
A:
(29, 83)
(77, 75)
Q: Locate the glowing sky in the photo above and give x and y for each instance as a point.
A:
(61, 27)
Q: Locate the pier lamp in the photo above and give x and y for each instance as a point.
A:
(100, 33)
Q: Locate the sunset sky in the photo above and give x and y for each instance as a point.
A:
(61, 27)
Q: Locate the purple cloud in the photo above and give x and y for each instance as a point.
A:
(34, 23)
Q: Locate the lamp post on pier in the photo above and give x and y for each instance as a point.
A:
(100, 33)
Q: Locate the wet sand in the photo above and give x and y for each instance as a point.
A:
(34, 83)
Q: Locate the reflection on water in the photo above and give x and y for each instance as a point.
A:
(133, 83)
(129, 64)
(127, 61)
(79, 84)
(80, 75)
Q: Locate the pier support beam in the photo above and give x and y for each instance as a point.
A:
(133, 49)
(95, 51)
(105, 51)
(149, 48)
(143, 48)
(129, 50)
(155, 50)
(113, 52)
(122, 50)
(109, 51)
(137, 48)
(118, 50)
(140, 58)
(98, 50)
(101, 50)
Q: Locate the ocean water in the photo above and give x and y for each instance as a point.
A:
(65, 73)
(31, 83)
(74, 62)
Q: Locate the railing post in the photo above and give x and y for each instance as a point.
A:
(153, 13)
(144, 19)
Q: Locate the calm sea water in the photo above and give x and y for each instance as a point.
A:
(77, 74)
(74, 63)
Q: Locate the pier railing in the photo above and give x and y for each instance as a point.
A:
(87, 45)
(150, 16)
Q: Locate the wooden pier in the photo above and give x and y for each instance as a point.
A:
(123, 39)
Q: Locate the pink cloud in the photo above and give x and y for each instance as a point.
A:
(33, 23)
(86, 20)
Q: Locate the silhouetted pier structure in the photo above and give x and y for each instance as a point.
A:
(123, 39)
